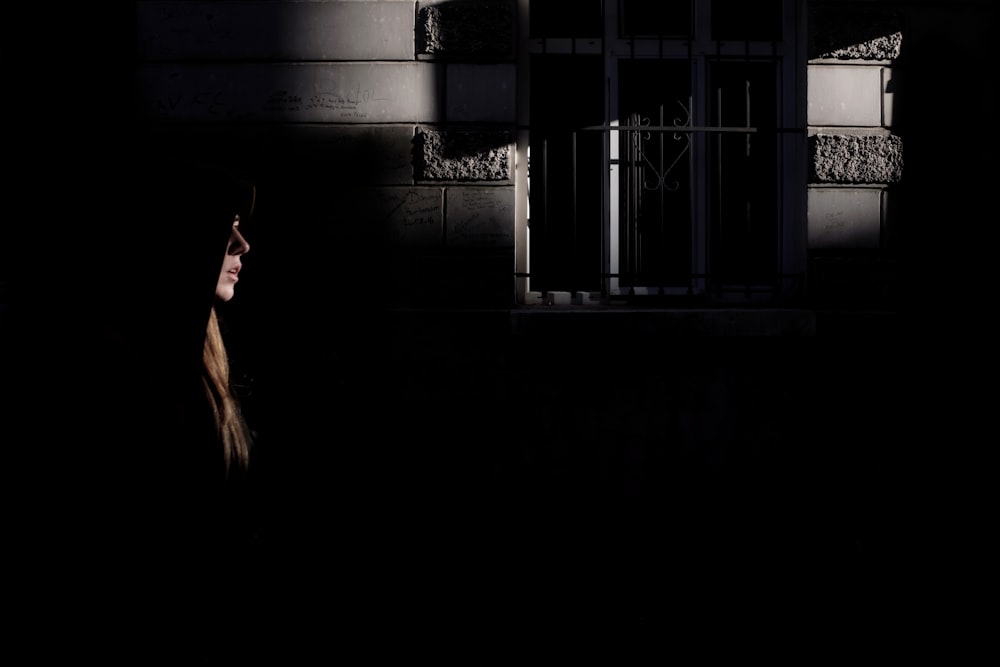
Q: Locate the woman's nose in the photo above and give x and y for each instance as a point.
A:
(238, 245)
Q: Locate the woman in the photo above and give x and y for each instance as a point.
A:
(162, 339)
(233, 434)
(176, 450)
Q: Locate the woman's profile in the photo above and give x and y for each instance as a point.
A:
(162, 323)
(234, 435)
(170, 469)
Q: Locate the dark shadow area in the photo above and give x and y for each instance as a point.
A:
(931, 267)
(848, 27)
(429, 480)
(947, 175)
(945, 275)
(578, 489)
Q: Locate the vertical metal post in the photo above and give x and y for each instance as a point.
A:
(718, 175)
(522, 279)
(575, 256)
(746, 255)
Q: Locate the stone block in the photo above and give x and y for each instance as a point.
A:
(330, 155)
(892, 219)
(482, 217)
(845, 95)
(844, 218)
(483, 93)
(856, 158)
(372, 154)
(558, 298)
(888, 96)
(463, 155)
(464, 29)
(533, 298)
(290, 92)
(274, 30)
(404, 216)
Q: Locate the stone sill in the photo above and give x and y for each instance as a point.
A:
(598, 319)
(861, 62)
(595, 322)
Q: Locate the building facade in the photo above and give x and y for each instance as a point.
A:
(503, 154)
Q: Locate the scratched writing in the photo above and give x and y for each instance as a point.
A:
(418, 220)
(410, 216)
(341, 101)
(282, 100)
(194, 23)
(484, 200)
(464, 225)
(213, 103)
(482, 217)
(413, 208)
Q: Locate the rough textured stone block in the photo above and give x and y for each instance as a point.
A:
(481, 93)
(290, 92)
(466, 29)
(844, 218)
(405, 216)
(463, 155)
(855, 33)
(850, 158)
(845, 95)
(480, 216)
(274, 30)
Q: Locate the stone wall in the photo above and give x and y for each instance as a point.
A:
(387, 129)
(855, 157)
(383, 128)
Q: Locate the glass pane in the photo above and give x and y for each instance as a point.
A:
(551, 18)
(668, 18)
(743, 197)
(741, 20)
(567, 172)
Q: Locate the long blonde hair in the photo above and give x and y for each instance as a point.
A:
(232, 429)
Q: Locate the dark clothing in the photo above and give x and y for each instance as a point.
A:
(129, 539)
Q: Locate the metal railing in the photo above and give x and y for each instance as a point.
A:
(687, 213)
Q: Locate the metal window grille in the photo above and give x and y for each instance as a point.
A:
(675, 186)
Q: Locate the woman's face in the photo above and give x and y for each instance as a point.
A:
(232, 263)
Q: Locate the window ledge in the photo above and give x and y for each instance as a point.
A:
(664, 321)
(569, 322)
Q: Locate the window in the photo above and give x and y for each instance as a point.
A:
(667, 154)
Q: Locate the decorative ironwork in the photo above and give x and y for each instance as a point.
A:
(658, 181)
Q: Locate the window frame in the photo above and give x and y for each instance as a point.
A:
(789, 58)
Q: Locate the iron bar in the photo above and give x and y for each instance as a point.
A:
(686, 128)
